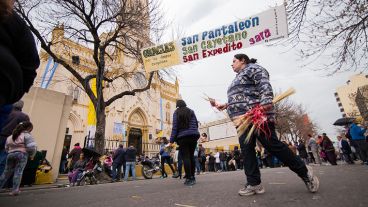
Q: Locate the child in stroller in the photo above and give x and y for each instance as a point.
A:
(89, 173)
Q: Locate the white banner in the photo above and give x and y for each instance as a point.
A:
(261, 28)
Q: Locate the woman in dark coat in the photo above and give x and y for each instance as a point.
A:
(185, 133)
(328, 149)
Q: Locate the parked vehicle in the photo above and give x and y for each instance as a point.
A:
(150, 167)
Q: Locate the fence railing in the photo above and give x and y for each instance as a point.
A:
(149, 149)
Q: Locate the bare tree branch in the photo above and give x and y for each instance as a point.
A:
(336, 28)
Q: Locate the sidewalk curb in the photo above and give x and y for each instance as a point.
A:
(65, 185)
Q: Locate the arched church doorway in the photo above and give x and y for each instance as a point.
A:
(135, 139)
(137, 130)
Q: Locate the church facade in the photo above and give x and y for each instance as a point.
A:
(131, 120)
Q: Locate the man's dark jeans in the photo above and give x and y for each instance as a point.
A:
(116, 171)
(272, 145)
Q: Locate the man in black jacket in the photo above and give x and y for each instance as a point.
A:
(130, 157)
(237, 157)
(118, 160)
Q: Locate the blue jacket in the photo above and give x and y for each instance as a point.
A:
(163, 152)
(356, 132)
(130, 154)
(179, 133)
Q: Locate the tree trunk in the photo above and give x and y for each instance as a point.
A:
(100, 129)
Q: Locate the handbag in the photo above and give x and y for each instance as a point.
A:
(322, 154)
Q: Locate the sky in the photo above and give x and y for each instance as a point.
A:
(212, 76)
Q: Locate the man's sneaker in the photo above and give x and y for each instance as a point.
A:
(251, 190)
(311, 181)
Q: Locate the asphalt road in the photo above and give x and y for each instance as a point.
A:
(342, 185)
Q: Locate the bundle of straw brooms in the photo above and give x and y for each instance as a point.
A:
(255, 118)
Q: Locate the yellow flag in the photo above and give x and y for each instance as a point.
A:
(91, 119)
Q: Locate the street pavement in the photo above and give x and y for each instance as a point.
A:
(342, 185)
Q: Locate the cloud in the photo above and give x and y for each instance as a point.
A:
(200, 10)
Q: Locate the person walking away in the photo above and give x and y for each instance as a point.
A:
(19, 146)
(118, 159)
(130, 157)
(328, 149)
(312, 144)
(19, 58)
(251, 87)
(302, 151)
(358, 138)
(345, 149)
(74, 155)
(185, 133)
(166, 158)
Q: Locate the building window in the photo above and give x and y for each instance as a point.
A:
(336, 94)
(339, 104)
(338, 99)
(168, 117)
(342, 110)
(75, 59)
(168, 113)
(76, 93)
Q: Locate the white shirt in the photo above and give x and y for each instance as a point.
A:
(217, 156)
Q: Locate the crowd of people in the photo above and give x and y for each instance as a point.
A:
(250, 89)
(312, 151)
(79, 161)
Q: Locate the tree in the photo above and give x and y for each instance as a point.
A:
(358, 103)
(332, 28)
(292, 122)
(282, 116)
(111, 28)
